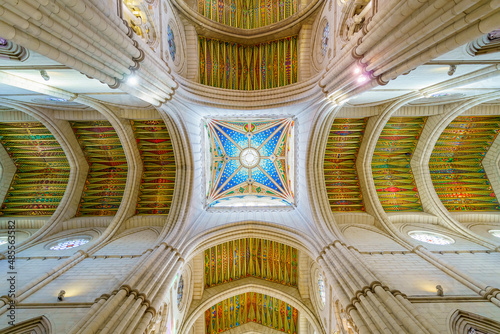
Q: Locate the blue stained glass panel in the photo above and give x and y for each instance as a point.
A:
(260, 137)
(238, 137)
(270, 169)
(230, 149)
(228, 171)
(260, 177)
(239, 178)
(233, 188)
(270, 146)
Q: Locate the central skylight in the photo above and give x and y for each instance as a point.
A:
(249, 162)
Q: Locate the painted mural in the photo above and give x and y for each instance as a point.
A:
(42, 170)
(107, 175)
(391, 169)
(455, 164)
(249, 162)
(251, 307)
(158, 178)
(248, 67)
(341, 178)
(251, 257)
(247, 14)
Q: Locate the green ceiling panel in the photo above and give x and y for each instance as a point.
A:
(391, 170)
(107, 176)
(341, 178)
(456, 164)
(158, 178)
(42, 170)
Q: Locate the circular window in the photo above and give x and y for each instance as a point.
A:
(495, 233)
(431, 238)
(324, 39)
(180, 290)
(171, 42)
(321, 288)
(68, 243)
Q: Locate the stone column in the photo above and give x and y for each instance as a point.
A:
(373, 307)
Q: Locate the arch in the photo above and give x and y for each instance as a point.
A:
(7, 173)
(383, 242)
(420, 165)
(253, 327)
(461, 322)
(38, 325)
(131, 242)
(320, 208)
(254, 229)
(251, 285)
(78, 168)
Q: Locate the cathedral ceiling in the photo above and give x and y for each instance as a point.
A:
(342, 184)
(251, 257)
(456, 164)
(391, 169)
(108, 168)
(251, 307)
(234, 66)
(158, 180)
(42, 170)
(249, 162)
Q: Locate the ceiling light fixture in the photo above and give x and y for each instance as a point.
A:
(452, 70)
(357, 70)
(44, 75)
(132, 80)
(362, 78)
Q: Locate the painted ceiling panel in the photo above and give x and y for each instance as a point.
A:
(234, 66)
(341, 178)
(249, 163)
(158, 178)
(250, 257)
(455, 164)
(251, 307)
(391, 169)
(107, 176)
(42, 170)
(247, 14)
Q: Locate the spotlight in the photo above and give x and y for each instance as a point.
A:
(362, 78)
(44, 75)
(60, 296)
(132, 80)
(452, 70)
(440, 291)
(357, 70)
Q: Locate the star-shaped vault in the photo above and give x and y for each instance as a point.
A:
(249, 162)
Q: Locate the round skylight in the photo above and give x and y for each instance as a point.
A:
(69, 244)
(249, 157)
(431, 238)
(495, 233)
